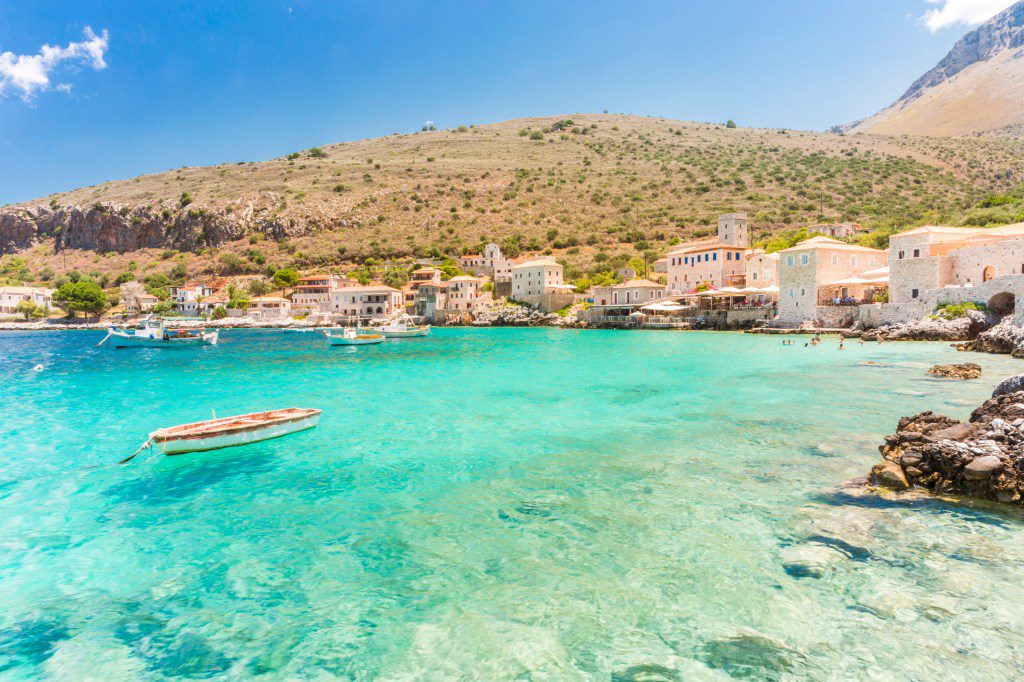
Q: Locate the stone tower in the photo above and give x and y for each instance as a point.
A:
(732, 229)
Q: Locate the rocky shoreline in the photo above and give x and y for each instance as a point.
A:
(982, 458)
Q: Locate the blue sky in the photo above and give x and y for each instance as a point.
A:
(195, 83)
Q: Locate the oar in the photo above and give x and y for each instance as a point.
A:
(149, 441)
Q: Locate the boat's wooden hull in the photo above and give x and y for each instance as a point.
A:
(363, 340)
(171, 444)
(409, 334)
(133, 341)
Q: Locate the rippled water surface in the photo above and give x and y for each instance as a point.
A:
(492, 504)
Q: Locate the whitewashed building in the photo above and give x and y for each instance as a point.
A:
(11, 296)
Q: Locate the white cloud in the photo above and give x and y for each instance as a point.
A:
(967, 12)
(29, 74)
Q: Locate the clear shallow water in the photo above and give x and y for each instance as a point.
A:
(492, 504)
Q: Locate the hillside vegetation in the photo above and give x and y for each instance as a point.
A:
(594, 190)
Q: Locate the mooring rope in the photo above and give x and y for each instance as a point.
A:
(149, 441)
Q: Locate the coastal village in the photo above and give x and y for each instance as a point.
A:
(827, 281)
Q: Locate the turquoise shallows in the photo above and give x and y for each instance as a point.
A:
(492, 504)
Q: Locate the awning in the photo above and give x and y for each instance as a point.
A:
(667, 307)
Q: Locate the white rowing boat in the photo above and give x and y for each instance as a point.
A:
(226, 432)
(154, 333)
(350, 336)
(402, 330)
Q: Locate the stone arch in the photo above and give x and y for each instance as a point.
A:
(369, 311)
(1002, 303)
(379, 309)
(988, 273)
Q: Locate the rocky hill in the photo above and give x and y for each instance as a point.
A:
(591, 189)
(977, 87)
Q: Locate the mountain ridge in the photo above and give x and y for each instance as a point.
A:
(977, 87)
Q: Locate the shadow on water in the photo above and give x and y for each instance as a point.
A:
(178, 481)
(975, 511)
(30, 643)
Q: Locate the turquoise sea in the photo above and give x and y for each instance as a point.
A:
(530, 504)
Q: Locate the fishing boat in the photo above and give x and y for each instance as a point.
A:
(351, 336)
(402, 330)
(226, 432)
(154, 333)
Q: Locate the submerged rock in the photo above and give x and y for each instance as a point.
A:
(982, 458)
(965, 370)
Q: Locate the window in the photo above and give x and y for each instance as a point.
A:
(914, 293)
(728, 255)
(900, 256)
(835, 259)
(714, 256)
(754, 276)
(803, 258)
(789, 261)
(853, 260)
(791, 293)
(917, 253)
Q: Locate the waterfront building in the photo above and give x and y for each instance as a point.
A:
(934, 265)
(464, 292)
(270, 307)
(716, 262)
(313, 292)
(367, 302)
(11, 296)
(818, 280)
(629, 295)
(538, 282)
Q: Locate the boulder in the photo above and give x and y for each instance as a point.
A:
(982, 458)
(983, 467)
(889, 475)
(965, 370)
(1010, 385)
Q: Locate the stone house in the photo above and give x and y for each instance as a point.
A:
(313, 292)
(717, 262)
(810, 273)
(367, 302)
(490, 263)
(270, 307)
(934, 265)
(538, 282)
(635, 292)
(839, 231)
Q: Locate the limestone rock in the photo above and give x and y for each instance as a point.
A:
(889, 475)
(966, 370)
(1011, 385)
(983, 467)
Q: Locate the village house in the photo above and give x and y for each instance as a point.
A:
(367, 302)
(538, 283)
(464, 292)
(629, 294)
(419, 277)
(715, 262)
(270, 308)
(10, 297)
(820, 280)
(933, 265)
(838, 231)
(185, 299)
(313, 292)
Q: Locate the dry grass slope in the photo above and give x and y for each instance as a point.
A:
(587, 190)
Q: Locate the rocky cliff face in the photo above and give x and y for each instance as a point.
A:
(114, 228)
(1002, 32)
(976, 87)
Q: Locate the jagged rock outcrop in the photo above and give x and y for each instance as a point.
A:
(111, 227)
(1009, 385)
(966, 370)
(982, 458)
(937, 329)
(511, 315)
(1004, 338)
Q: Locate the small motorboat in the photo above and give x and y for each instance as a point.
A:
(402, 330)
(352, 336)
(154, 333)
(226, 432)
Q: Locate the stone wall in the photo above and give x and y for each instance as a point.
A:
(549, 303)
